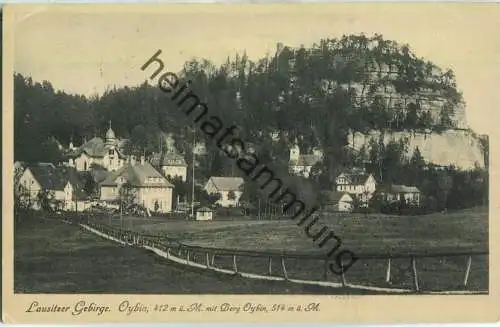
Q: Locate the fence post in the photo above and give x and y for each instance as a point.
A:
(467, 270)
(187, 256)
(415, 275)
(388, 272)
(235, 267)
(284, 268)
(207, 259)
(213, 259)
(270, 265)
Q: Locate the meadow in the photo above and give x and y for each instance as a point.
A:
(53, 257)
(365, 235)
(372, 233)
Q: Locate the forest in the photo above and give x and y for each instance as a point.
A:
(314, 95)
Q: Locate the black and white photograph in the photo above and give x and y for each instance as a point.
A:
(217, 151)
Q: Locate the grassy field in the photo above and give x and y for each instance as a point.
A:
(375, 233)
(52, 257)
(460, 231)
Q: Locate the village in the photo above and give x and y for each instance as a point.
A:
(144, 185)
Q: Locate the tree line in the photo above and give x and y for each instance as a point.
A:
(307, 92)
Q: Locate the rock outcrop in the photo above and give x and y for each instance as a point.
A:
(460, 148)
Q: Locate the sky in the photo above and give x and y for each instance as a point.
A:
(86, 49)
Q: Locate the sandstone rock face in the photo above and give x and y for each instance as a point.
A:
(460, 148)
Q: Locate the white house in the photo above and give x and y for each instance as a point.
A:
(63, 187)
(229, 189)
(204, 213)
(146, 185)
(301, 164)
(170, 164)
(357, 182)
(394, 193)
(338, 201)
(107, 153)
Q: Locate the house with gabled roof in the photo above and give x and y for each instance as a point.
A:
(301, 164)
(171, 164)
(358, 183)
(107, 153)
(61, 184)
(395, 193)
(337, 201)
(145, 186)
(229, 189)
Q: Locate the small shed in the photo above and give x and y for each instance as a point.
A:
(204, 213)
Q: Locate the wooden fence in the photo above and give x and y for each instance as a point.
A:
(276, 261)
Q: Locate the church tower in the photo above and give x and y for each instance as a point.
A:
(110, 136)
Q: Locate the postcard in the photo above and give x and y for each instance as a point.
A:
(250, 163)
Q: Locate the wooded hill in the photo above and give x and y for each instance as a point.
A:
(320, 93)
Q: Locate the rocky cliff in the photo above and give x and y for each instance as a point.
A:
(460, 148)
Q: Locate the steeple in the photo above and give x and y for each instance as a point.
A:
(71, 146)
(110, 135)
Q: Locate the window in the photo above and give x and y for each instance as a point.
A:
(111, 152)
(84, 165)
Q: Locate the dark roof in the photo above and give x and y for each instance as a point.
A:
(138, 175)
(94, 148)
(358, 178)
(401, 189)
(332, 197)
(355, 176)
(99, 174)
(204, 209)
(227, 183)
(306, 160)
(55, 178)
(49, 176)
(97, 148)
(167, 159)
